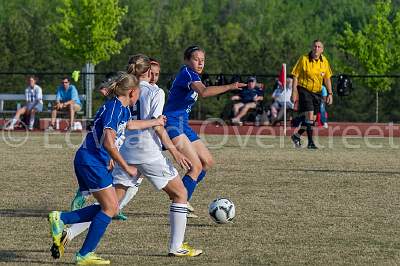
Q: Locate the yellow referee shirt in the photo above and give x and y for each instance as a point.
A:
(310, 72)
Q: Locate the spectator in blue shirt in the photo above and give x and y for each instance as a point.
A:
(67, 99)
(248, 99)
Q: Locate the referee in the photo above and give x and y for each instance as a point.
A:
(309, 73)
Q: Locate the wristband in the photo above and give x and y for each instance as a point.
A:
(330, 93)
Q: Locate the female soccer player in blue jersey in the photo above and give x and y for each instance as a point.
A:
(91, 168)
(143, 149)
(182, 96)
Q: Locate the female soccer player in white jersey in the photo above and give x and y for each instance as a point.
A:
(131, 191)
(91, 168)
(143, 149)
(182, 96)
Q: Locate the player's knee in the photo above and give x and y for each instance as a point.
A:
(309, 123)
(111, 209)
(178, 195)
(181, 195)
(208, 163)
(195, 169)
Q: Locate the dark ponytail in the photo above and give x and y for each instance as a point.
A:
(190, 50)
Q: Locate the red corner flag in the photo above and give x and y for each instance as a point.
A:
(282, 76)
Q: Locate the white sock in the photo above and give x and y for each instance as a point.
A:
(31, 121)
(77, 229)
(177, 219)
(130, 193)
(13, 122)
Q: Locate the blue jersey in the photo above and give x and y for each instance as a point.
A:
(66, 95)
(111, 115)
(247, 95)
(181, 96)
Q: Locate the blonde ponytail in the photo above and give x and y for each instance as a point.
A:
(121, 84)
(138, 65)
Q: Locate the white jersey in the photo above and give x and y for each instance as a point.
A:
(281, 96)
(34, 95)
(144, 146)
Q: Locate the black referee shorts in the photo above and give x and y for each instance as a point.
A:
(309, 101)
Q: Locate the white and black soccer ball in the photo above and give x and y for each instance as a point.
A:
(222, 210)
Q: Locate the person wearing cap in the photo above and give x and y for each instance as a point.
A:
(248, 99)
(309, 73)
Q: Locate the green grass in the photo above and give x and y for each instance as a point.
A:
(332, 206)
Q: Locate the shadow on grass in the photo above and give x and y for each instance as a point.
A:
(195, 225)
(334, 171)
(23, 213)
(21, 256)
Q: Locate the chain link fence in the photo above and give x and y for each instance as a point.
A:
(359, 106)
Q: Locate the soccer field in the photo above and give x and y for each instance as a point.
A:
(333, 206)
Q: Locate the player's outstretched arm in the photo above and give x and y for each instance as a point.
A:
(143, 124)
(111, 148)
(204, 91)
(166, 141)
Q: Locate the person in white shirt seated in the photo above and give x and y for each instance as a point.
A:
(280, 98)
(34, 103)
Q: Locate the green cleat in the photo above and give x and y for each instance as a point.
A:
(58, 251)
(56, 227)
(121, 216)
(78, 202)
(90, 259)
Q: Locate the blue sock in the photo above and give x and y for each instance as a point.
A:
(80, 216)
(189, 184)
(96, 231)
(201, 176)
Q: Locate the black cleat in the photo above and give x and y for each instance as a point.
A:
(312, 146)
(296, 141)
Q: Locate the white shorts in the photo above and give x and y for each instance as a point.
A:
(158, 172)
(31, 105)
(120, 177)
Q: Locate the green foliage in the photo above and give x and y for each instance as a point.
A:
(88, 29)
(375, 45)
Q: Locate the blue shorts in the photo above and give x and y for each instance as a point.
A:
(177, 126)
(92, 178)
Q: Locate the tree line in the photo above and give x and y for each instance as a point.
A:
(245, 37)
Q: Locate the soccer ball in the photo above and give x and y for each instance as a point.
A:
(221, 210)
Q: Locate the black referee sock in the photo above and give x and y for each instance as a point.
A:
(309, 129)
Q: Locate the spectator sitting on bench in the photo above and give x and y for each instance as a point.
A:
(248, 97)
(280, 98)
(34, 103)
(67, 99)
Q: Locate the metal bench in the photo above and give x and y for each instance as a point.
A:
(21, 97)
